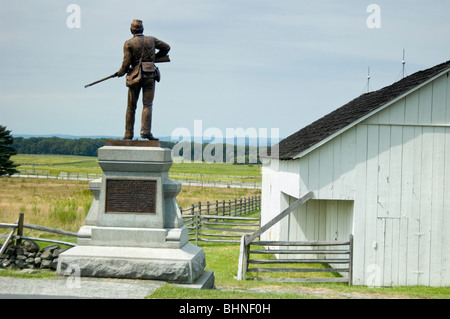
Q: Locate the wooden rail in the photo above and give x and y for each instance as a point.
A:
(276, 219)
(222, 221)
(236, 207)
(317, 252)
(213, 228)
(19, 227)
(321, 252)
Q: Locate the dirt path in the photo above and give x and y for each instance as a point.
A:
(323, 293)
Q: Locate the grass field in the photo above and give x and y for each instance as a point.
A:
(223, 260)
(55, 164)
(55, 160)
(63, 204)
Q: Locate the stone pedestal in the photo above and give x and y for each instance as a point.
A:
(134, 228)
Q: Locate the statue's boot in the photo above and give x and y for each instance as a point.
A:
(146, 123)
(129, 125)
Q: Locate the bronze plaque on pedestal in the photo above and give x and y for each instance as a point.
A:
(130, 196)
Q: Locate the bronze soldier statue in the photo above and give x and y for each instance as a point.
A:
(139, 65)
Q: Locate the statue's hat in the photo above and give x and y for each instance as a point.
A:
(137, 25)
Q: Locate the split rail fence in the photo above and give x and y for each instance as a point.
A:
(222, 221)
(210, 181)
(325, 253)
(19, 227)
(215, 222)
(61, 175)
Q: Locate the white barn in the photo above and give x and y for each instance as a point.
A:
(379, 168)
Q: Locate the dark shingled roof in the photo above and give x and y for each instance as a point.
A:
(352, 111)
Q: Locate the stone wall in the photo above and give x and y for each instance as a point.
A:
(28, 255)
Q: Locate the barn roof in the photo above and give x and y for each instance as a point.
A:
(352, 112)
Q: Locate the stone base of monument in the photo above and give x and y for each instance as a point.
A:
(134, 228)
(180, 266)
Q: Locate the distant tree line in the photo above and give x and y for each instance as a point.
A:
(58, 146)
(89, 147)
(219, 153)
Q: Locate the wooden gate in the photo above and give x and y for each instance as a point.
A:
(312, 252)
(328, 253)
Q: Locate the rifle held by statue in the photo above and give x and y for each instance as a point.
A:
(158, 60)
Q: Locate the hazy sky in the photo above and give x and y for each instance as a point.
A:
(235, 63)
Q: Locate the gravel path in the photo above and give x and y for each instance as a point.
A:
(72, 288)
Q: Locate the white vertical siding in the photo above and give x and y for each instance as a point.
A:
(271, 203)
(445, 262)
(328, 171)
(326, 220)
(395, 166)
(406, 204)
(361, 220)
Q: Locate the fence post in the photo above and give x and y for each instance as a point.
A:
(243, 259)
(223, 207)
(350, 266)
(5, 244)
(20, 229)
(207, 208)
(196, 222)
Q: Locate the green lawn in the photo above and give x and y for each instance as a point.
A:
(82, 161)
(225, 169)
(56, 164)
(223, 260)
